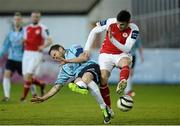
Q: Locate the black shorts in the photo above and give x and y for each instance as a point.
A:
(14, 66)
(133, 61)
(95, 70)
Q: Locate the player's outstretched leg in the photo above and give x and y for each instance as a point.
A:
(106, 115)
(74, 87)
(93, 88)
(124, 74)
(121, 86)
(104, 89)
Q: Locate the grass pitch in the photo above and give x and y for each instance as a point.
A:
(153, 104)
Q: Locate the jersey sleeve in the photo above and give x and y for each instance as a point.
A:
(5, 46)
(25, 33)
(76, 50)
(100, 27)
(45, 32)
(106, 23)
(133, 36)
(62, 77)
(130, 41)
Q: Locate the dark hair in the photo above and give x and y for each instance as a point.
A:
(54, 47)
(123, 16)
(17, 14)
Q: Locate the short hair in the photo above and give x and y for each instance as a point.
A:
(123, 16)
(37, 12)
(17, 14)
(54, 47)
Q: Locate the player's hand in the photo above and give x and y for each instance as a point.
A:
(86, 54)
(98, 24)
(62, 61)
(37, 99)
(40, 48)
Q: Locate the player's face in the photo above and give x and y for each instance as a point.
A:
(122, 25)
(35, 18)
(17, 21)
(57, 54)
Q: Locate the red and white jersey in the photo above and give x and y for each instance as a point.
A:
(35, 36)
(124, 40)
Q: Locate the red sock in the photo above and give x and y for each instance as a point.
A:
(124, 74)
(105, 94)
(26, 88)
(37, 82)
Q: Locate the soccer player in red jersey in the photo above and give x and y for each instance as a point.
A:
(36, 38)
(120, 37)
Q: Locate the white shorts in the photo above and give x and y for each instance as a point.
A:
(31, 62)
(109, 61)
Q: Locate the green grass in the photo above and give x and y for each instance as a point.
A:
(152, 105)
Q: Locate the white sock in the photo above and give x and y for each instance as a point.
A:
(129, 85)
(6, 87)
(94, 89)
(81, 84)
(33, 89)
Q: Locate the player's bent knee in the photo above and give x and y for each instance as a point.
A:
(104, 81)
(78, 79)
(87, 77)
(7, 74)
(104, 78)
(28, 77)
(124, 62)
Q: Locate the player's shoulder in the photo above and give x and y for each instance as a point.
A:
(76, 49)
(42, 26)
(112, 20)
(133, 26)
(10, 32)
(76, 46)
(107, 21)
(28, 26)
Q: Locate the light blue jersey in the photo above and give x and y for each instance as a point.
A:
(13, 46)
(136, 46)
(70, 71)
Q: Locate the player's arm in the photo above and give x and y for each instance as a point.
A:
(100, 27)
(47, 38)
(81, 58)
(129, 41)
(5, 46)
(47, 43)
(24, 35)
(79, 55)
(56, 88)
(141, 54)
(140, 49)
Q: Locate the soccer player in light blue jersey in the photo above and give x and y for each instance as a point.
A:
(137, 46)
(77, 68)
(13, 46)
